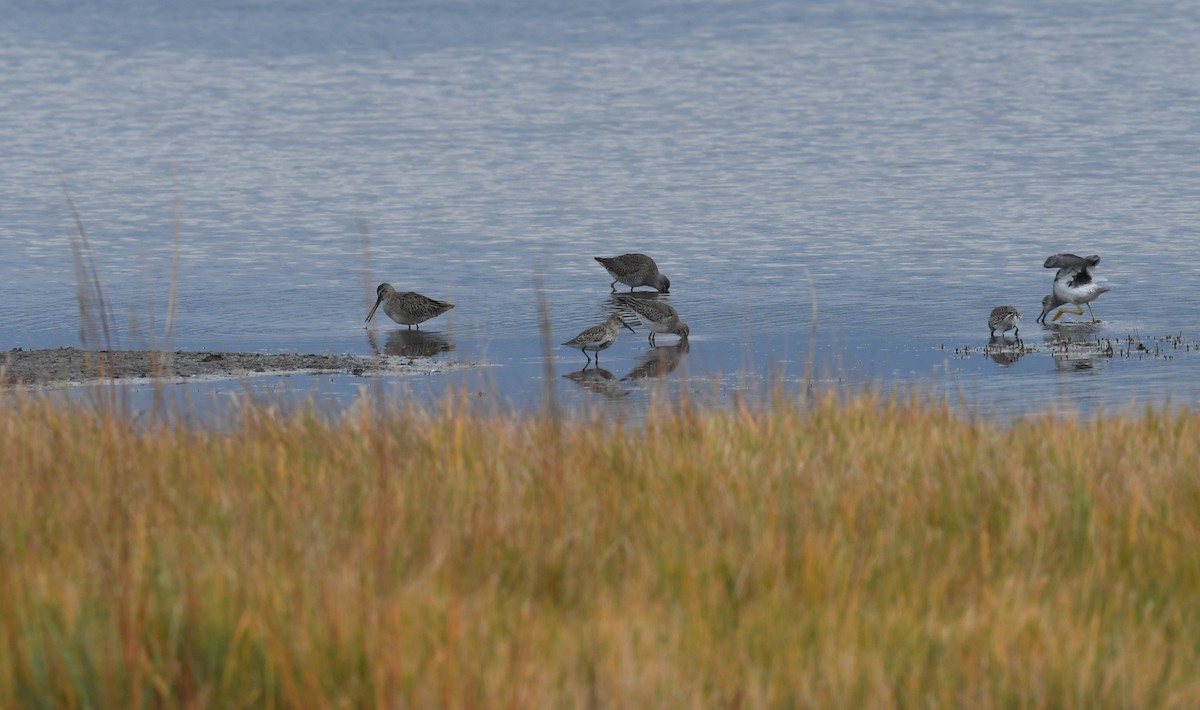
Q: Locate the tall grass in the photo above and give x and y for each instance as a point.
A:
(866, 552)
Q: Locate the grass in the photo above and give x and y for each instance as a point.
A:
(861, 552)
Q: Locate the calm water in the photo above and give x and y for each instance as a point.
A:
(911, 167)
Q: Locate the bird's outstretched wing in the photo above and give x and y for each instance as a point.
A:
(1076, 269)
(1070, 261)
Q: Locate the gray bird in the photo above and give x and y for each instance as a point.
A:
(598, 337)
(407, 307)
(1049, 303)
(634, 270)
(658, 316)
(1074, 283)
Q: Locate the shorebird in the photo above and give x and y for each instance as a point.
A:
(658, 316)
(1004, 319)
(1074, 283)
(634, 270)
(1049, 303)
(407, 307)
(598, 337)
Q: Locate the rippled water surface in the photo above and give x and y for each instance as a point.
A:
(861, 183)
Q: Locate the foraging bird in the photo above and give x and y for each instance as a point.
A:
(407, 307)
(1004, 319)
(658, 316)
(1074, 283)
(598, 337)
(1049, 303)
(634, 270)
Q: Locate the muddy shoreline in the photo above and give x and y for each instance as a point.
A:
(75, 366)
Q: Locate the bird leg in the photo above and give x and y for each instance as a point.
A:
(1061, 311)
(1093, 315)
(613, 286)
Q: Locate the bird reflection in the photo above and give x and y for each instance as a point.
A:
(1073, 349)
(1066, 331)
(598, 380)
(659, 361)
(1004, 351)
(411, 343)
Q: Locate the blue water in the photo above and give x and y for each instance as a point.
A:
(860, 181)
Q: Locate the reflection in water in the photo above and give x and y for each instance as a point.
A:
(1074, 346)
(1071, 330)
(659, 361)
(411, 343)
(1005, 351)
(598, 380)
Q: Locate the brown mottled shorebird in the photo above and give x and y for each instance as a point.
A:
(658, 316)
(407, 307)
(598, 337)
(634, 270)
(1004, 319)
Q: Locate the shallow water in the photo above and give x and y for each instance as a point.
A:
(861, 183)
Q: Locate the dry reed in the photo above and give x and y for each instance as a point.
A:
(868, 552)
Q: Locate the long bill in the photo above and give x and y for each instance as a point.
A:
(372, 313)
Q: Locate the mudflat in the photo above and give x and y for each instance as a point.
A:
(73, 365)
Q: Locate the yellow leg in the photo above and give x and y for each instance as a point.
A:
(1064, 310)
(1093, 315)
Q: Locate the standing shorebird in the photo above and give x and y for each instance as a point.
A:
(1074, 283)
(598, 337)
(1004, 319)
(634, 270)
(658, 316)
(407, 307)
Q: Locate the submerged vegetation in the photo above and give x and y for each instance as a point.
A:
(845, 552)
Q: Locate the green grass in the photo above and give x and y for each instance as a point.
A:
(869, 552)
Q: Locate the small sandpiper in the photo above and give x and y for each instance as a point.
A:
(407, 307)
(1074, 283)
(658, 316)
(634, 270)
(598, 337)
(1004, 319)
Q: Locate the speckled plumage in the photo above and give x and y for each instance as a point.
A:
(634, 270)
(407, 307)
(1004, 319)
(598, 337)
(658, 316)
